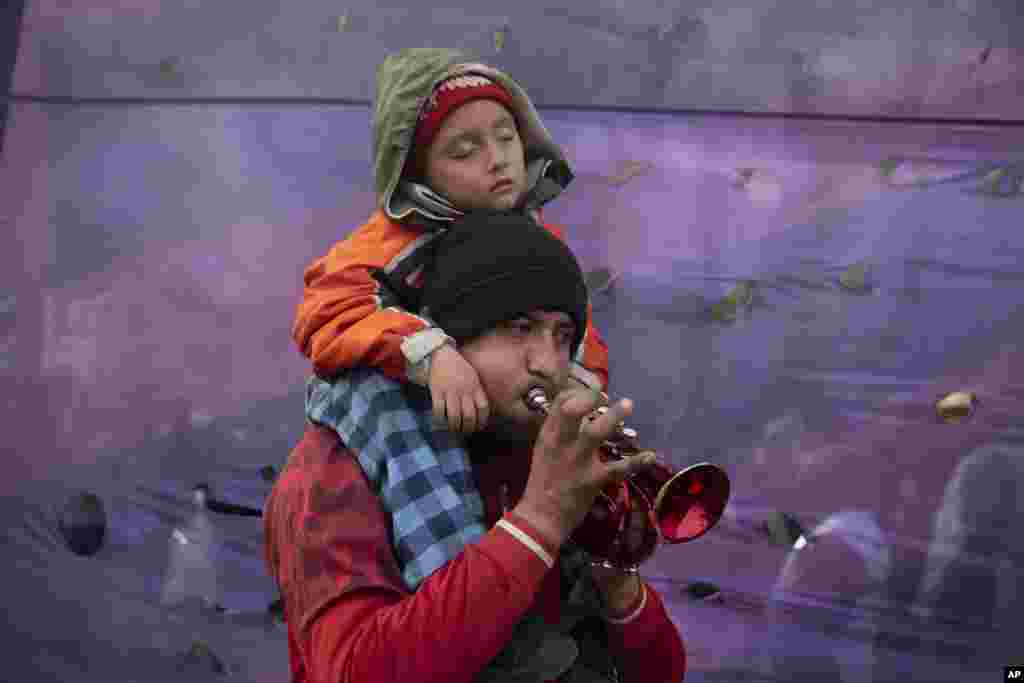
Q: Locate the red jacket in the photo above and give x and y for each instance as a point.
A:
(350, 617)
(344, 320)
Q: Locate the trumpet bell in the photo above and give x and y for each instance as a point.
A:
(687, 503)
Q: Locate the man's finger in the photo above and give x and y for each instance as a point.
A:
(603, 426)
(567, 411)
(645, 458)
(578, 402)
(620, 469)
(642, 461)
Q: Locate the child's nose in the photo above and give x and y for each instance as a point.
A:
(499, 155)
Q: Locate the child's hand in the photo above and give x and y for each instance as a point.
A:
(458, 396)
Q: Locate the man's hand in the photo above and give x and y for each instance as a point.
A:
(575, 383)
(459, 398)
(567, 470)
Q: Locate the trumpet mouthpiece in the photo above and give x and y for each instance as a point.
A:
(537, 399)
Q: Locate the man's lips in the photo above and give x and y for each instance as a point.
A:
(502, 185)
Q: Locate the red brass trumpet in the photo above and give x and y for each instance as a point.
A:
(627, 521)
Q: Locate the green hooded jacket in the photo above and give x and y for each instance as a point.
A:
(405, 81)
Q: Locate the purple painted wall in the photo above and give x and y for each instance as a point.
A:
(153, 256)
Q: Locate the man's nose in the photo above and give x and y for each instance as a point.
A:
(544, 355)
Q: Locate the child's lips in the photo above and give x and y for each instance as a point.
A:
(503, 185)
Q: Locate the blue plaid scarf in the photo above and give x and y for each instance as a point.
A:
(429, 491)
(424, 478)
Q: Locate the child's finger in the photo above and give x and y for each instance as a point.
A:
(483, 408)
(469, 421)
(440, 415)
(453, 413)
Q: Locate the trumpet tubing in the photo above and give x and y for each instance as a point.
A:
(622, 443)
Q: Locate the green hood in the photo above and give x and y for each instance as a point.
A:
(404, 82)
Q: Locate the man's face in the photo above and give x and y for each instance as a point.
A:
(477, 147)
(515, 356)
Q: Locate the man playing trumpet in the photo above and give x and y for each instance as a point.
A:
(452, 561)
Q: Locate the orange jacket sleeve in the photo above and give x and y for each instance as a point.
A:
(344, 319)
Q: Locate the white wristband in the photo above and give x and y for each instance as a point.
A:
(526, 540)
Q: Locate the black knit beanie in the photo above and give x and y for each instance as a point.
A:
(494, 266)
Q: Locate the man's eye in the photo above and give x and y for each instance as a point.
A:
(519, 327)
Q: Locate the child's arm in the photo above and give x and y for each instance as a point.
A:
(347, 319)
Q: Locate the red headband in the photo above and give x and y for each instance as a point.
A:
(446, 98)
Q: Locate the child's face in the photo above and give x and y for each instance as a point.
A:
(477, 146)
